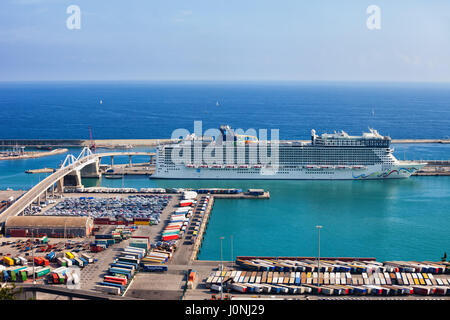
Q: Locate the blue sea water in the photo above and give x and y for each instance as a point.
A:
(397, 219)
(155, 109)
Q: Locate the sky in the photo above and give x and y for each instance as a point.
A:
(273, 40)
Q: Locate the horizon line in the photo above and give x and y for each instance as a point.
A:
(229, 81)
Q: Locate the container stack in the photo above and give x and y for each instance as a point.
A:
(191, 279)
(122, 269)
(140, 242)
(199, 214)
(334, 277)
(58, 276)
(179, 221)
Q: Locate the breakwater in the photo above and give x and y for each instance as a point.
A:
(118, 143)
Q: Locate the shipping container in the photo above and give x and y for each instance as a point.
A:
(124, 266)
(120, 280)
(152, 268)
(87, 257)
(51, 255)
(78, 262)
(128, 259)
(108, 289)
(42, 272)
(85, 262)
(70, 255)
(8, 261)
(109, 284)
(134, 265)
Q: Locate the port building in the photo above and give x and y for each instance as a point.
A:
(51, 226)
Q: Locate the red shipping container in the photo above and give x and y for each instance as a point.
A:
(171, 237)
(122, 281)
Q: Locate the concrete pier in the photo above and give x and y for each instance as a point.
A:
(199, 239)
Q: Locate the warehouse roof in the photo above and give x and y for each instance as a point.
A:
(47, 221)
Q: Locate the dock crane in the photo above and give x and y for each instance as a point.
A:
(92, 146)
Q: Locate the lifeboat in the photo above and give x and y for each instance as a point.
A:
(341, 167)
(358, 167)
(257, 166)
(327, 167)
(217, 166)
(203, 166)
(189, 166)
(230, 166)
(243, 166)
(311, 167)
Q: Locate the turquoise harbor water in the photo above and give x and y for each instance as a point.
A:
(391, 219)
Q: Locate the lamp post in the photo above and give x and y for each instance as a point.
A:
(32, 250)
(232, 259)
(221, 269)
(318, 258)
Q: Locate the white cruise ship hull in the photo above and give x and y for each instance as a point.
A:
(396, 171)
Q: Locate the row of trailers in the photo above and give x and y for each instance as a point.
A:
(327, 284)
(121, 271)
(23, 273)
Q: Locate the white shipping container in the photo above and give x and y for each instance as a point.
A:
(60, 269)
(69, 262)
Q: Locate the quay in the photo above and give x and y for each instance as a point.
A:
(199, 239)
(43, 170)
(31, 155)
(251, 194)
(434, 168)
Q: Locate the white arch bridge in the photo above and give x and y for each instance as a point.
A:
(86, 165)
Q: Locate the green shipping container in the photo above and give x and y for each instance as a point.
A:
(43, 272)
(13, 276)
(24, 275)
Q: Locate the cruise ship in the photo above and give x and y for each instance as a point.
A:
(336, 156)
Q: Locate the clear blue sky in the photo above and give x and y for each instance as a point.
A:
(225, 40)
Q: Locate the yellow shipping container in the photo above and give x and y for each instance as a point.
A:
(145, 223)
(155, 261)
(69, 255)
(8, 261)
